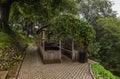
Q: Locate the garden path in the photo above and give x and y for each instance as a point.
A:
(33, 68)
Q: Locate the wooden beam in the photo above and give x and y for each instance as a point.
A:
(43, 40)
(43, 45)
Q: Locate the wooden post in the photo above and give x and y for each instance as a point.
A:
(43, 40)
(40, 40)
(43, 45)
(73, 52)
(43, 34)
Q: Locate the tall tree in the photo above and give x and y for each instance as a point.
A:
(38, 7)
(110, 43)
(91, 10)
(5, 6)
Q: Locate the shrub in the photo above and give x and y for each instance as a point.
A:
(11, 49)
(100, 72)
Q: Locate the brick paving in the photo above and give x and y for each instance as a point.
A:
(33, 68)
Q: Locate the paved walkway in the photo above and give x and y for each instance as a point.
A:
(33, 68)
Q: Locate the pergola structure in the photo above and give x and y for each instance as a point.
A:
(52, 51)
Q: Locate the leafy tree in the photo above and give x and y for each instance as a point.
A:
(39, 9)
(94, 49)
(91, 10)
(110, 43)
(69, 26)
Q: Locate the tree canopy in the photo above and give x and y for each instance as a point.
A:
(40, 10)
(110, 43)
(69, 26)
(91, 10)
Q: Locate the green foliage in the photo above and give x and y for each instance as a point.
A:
(3, 1)
(19, 40)
(94, 49)
(110, 43)
(69, 26)
(11, 46)
(15, 64)
(91, 10)
(101, 73)
(5, 66)
(4, 39)
(18, 58)
(4, 58)
(40, 10)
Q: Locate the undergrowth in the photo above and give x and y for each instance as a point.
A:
(101, 73)
(12, 48)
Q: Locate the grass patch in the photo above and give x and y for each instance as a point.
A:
(101, 73)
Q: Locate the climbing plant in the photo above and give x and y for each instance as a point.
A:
(69, 26)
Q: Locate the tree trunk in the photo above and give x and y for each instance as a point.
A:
(4, 15)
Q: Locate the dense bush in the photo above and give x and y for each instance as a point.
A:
(110, 44)
(101, 73)
(106, 49)
(69, 26)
